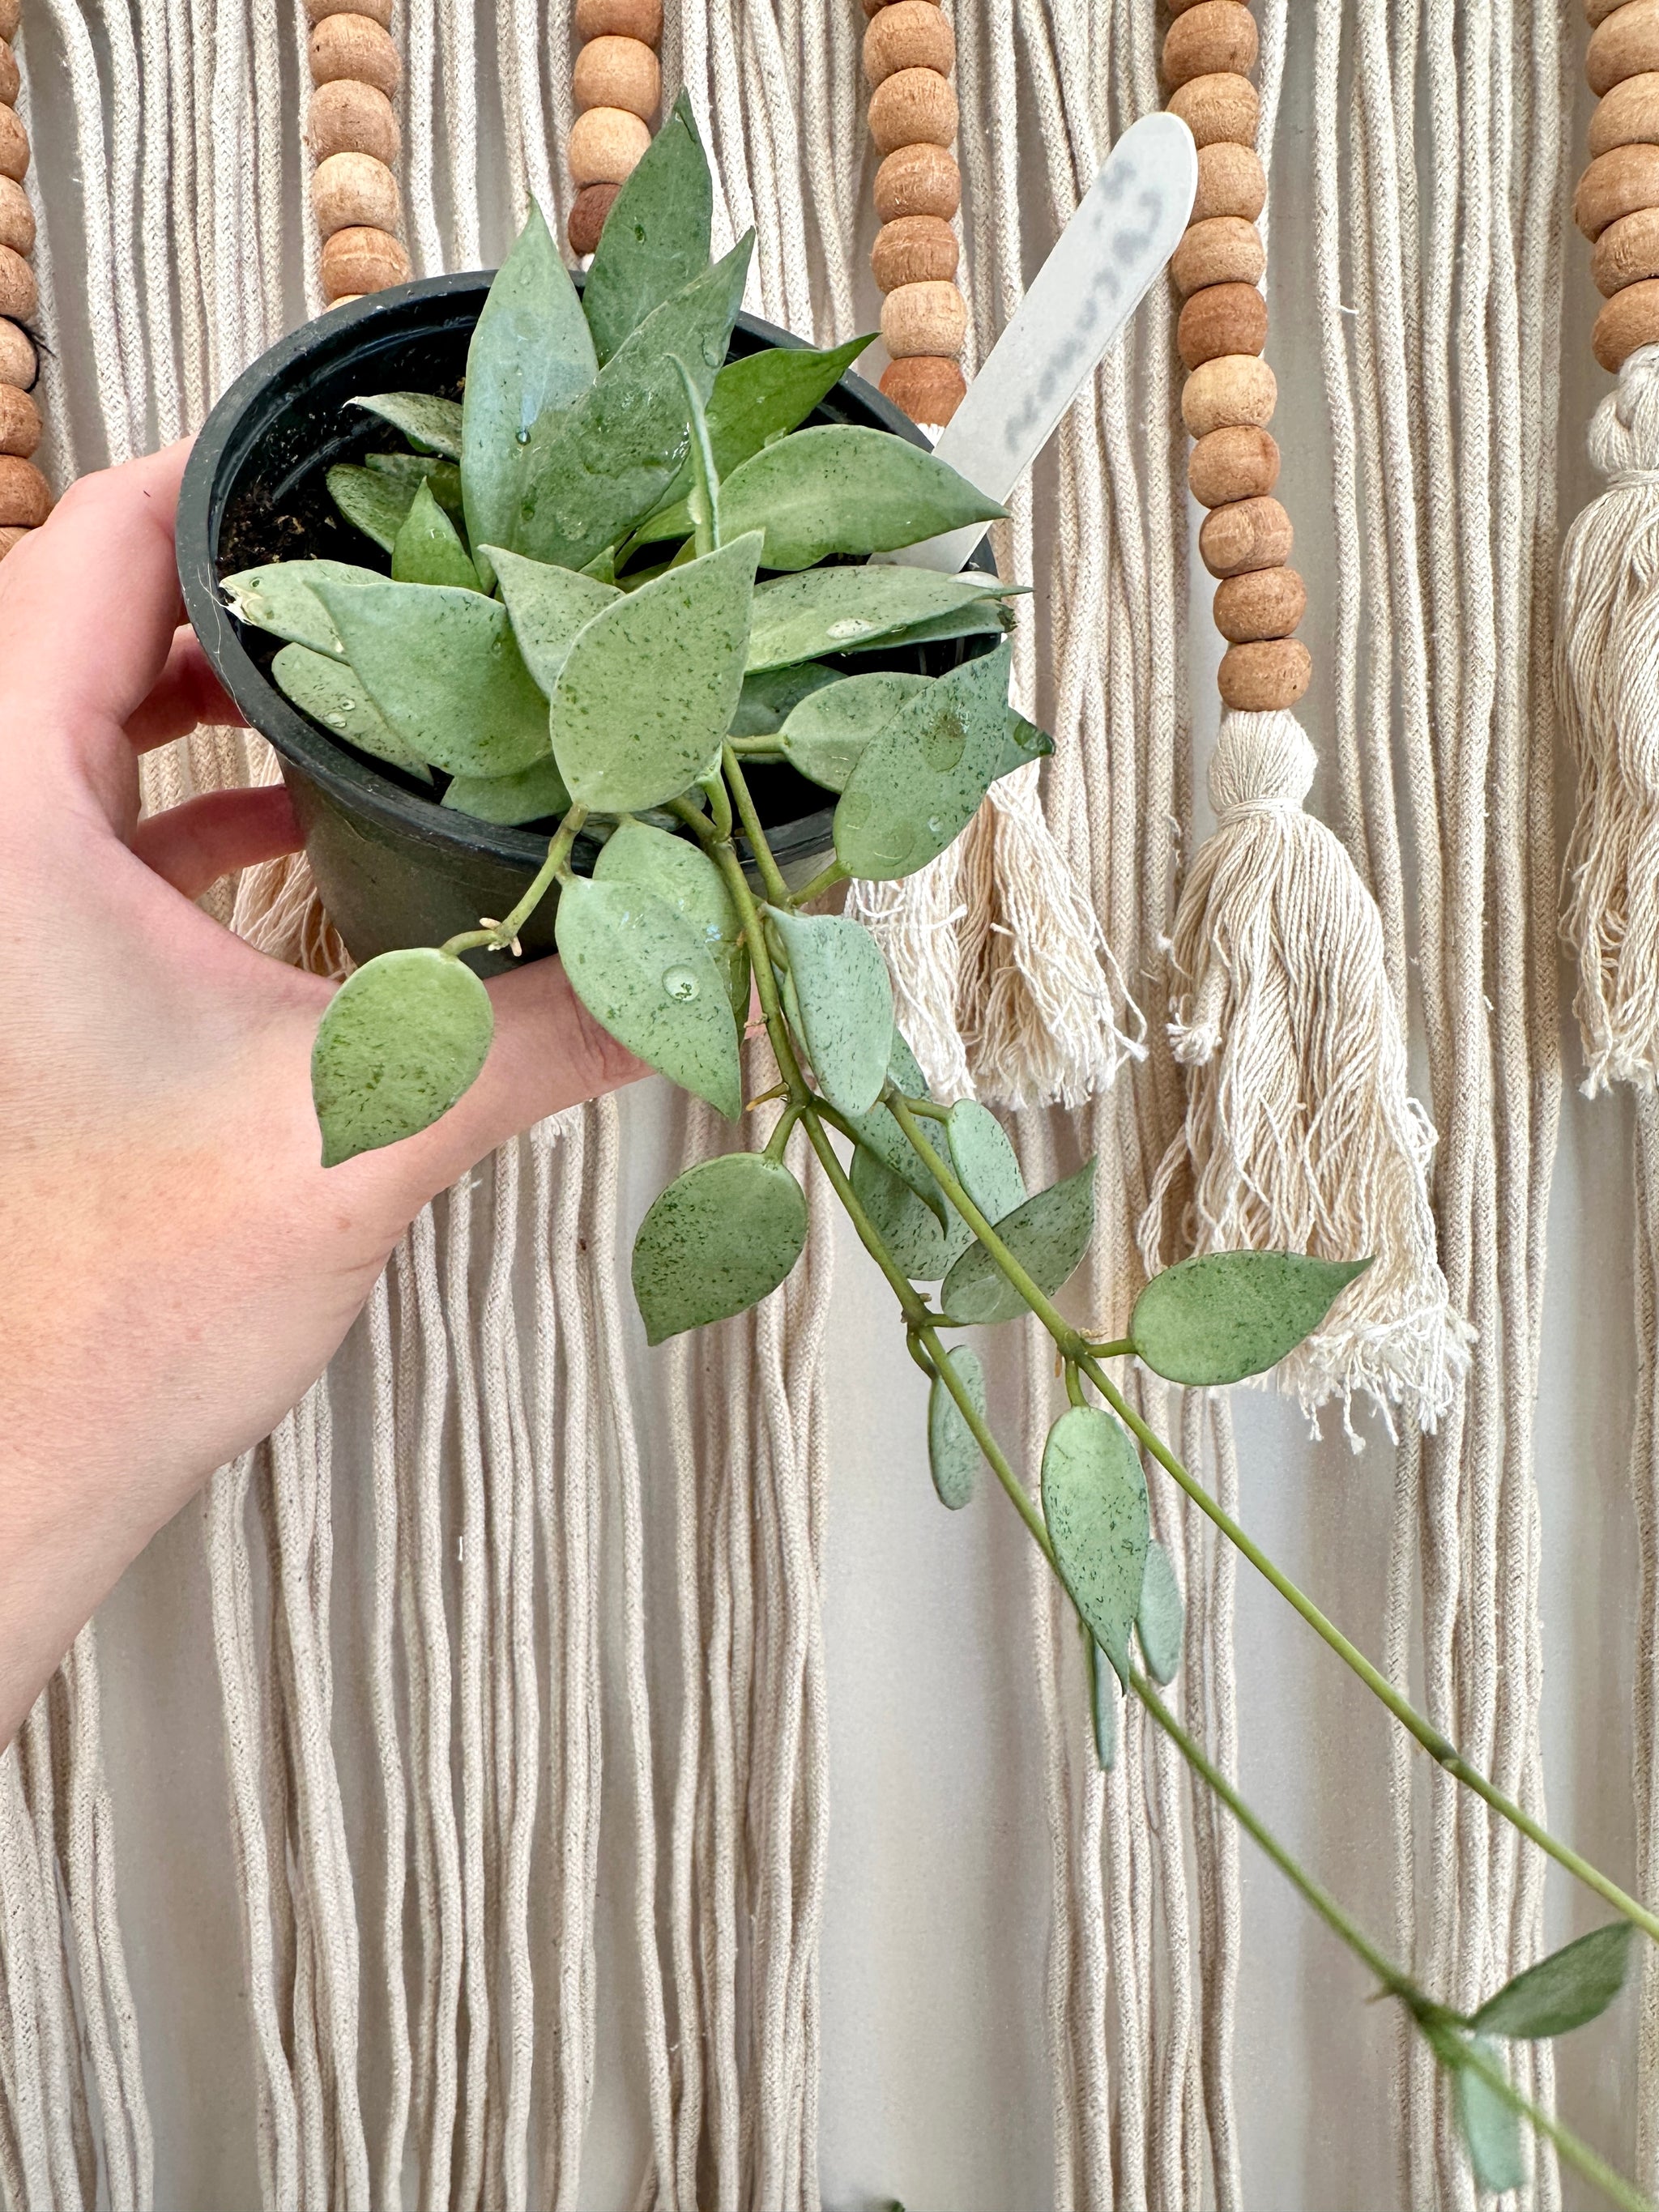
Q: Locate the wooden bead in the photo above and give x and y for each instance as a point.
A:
(1229, 388)
(354, 47)
(1224, 249)
(917, 249)
(927, 387)
(917, 181)
(913, 107)
(1627, 116)
(19, 294)
(1255, 533)
(350, 189)
(620, 19)
(14, 147)
(604, 146)
(1222, 319)
(1629, 318)
(362, 259)
(1626, 251)
(909, 34)
(1230, 181)
(1218, 107)
(10, 79)
(1626, 44)
(24, 502)
(1240, 462)
(19, 363)
(10, 536)
(1616, 184)
(378, 11)
(17, 217)
(593, 203)
(11, 14)
(1261, 604)
(344, 117)
(614, 72)
(928, 318)
(20, 421)
(1260, 679)
(1206, 39)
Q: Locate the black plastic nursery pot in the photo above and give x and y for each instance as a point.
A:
(394, 867)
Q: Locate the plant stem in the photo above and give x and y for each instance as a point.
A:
(1393, 1980)
(825, 880)
(776, 890)
(1073, 1346)
(1576, 2151)
(503, 932)
(1082, 1358)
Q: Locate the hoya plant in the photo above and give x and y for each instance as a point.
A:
(621, 575)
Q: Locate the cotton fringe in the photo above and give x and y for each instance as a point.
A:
(1440, 190)
(1300, 1133)
(1606, 672)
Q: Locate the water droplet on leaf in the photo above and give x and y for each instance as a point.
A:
(680, 983)
(521, 437)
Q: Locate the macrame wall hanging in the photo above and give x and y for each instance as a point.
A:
(483, 1411)
(1606, 674)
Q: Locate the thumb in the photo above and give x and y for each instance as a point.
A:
(548, 1053)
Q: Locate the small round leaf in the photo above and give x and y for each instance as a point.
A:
(400, 1043)
(953, 1452)
(920, 781)
(327, 690)
(1226, 1315)
(1491, 2129)
(984, 1159)
(846, 1001)
(1094, 1501)
(1574, 1984)
(719, 1237)
(913, 1234)
(646, 973)
(682, 873)
(1048, 1236)
(827, 732)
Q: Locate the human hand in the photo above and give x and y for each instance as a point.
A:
(176, 1267)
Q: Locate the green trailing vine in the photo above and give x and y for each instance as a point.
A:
(622, 577)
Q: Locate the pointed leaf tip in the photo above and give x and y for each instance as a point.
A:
(1224, 1316)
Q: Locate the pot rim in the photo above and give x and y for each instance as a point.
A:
(222, 447)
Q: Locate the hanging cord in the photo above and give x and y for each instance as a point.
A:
(352, 129)
(616, 87)
(1300, 1134)
(1005, 984)
(25, 498)
(1606, 686)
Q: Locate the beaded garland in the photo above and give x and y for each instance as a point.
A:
(352, 129)
(909, 52)
(1616, 203)
(617, 83)
(25, 501)
(1230, 394)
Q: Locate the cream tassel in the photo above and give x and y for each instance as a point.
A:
(1035, 996)
(1300, 1135)
(1003, 980)
(915, 921)
(1607, 682)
